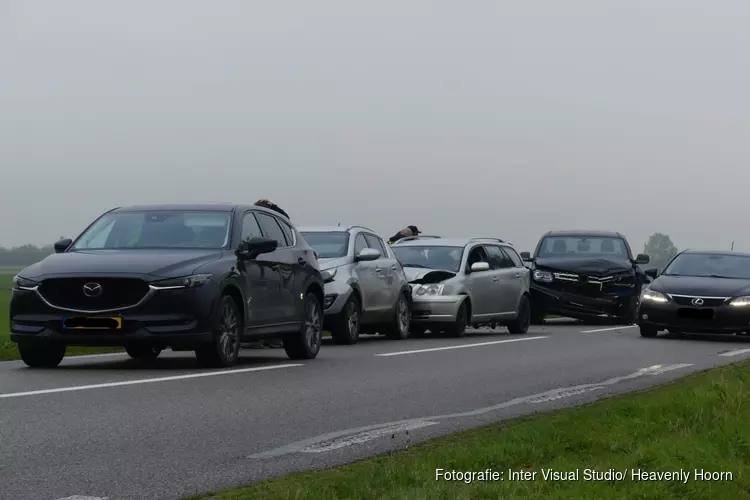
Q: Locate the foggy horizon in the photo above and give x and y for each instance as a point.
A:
(501, 119)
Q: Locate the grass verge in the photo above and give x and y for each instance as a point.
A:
(698, 422)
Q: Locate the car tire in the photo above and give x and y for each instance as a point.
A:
(306, 343)
(398, 328)
(224, 350)
(631, 315)
(648, 331)
(345, 326)
(41, 355)
(522, 322)
(458, 327)
(143, 352)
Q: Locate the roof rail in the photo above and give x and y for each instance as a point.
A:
(487, 238)
(418, 237)
(361, 227)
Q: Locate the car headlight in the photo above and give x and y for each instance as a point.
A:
(654, 296)
(544, 276)
(740, 301)
(20, 283)
(429, 289)
(182, 282)
(328, 274)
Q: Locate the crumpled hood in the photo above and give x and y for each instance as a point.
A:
(705, 287)
(585, 265)
(326, 264)
(162, 263)
(424, 276)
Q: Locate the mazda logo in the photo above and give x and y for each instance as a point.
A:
(697, 301)
(92, 289)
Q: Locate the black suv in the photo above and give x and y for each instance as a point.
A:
(585, 274)
(188, 277)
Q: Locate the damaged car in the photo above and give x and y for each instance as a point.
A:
(585, 275)
(366, 291)
(457, 283)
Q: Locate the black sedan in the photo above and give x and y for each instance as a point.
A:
(190, 277)
(698, 292)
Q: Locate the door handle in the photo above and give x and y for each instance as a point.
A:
(394, 268)
(495, 279)
(377, 269)
(275, 267)
(301, 261)
(519, 275)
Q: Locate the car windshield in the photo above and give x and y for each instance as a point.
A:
(157, 229)
(583, 246)
(444, 258)
(710, 266)
(328, 245)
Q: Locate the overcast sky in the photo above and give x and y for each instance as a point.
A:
(494, 118)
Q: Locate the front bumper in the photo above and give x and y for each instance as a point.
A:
(435, 309)
(577, 305)
(169, 318)
(670, 316)
(336, 296)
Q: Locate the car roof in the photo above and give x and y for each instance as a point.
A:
(583, 233)
(203, 207)
(333, 229)
(717, 252)
(447, 242)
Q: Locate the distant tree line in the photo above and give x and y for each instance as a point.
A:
(24, 255)
(660, 248)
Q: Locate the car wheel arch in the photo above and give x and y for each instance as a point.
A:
(317, 290)
(467, 301)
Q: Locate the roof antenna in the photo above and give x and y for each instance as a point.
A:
(339, 224)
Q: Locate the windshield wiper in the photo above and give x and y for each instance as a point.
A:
(417, 265)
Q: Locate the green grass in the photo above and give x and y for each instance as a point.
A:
(699, 422)
(8, 349)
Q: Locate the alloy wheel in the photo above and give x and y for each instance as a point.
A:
(403, 315)
(313, 326)
(228, 331)
(352, 320)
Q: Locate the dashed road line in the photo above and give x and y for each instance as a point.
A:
(736, 352)
(461, 346)
(145, 381)
(622, 327)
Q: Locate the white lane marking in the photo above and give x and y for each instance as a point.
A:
(399, 353)
(363, 437)
(735, 352)
(102, 355)
(533, 398)
(81, 497)
(144, 381)
(609, 329)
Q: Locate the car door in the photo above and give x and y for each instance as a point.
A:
(279, 267)
(481, 284)
(257, 277)
(304, 262)
(383, 273)
(507, 284)
(523, 274)
(367, 277)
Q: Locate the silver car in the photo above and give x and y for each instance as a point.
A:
(465, 282)
(366, 290)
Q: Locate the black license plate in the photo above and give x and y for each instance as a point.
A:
(696, 313)
(92, 323)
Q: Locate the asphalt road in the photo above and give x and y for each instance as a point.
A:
(106, 426)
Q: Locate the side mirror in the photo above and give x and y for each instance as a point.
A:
(327, 276)
(368, 254)
(525, 256)
(62, 245)
(652, 272)
(250, 249)
(642, 258)
(480, 266)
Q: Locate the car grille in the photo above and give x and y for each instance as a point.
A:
(116, 293)
(684, 300)
(592, 286)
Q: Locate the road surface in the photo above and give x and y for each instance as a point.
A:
(106, 426)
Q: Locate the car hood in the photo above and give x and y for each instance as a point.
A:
(705, 287)
(595, 266)
(425, 276)
(161, 263)
(325, 264)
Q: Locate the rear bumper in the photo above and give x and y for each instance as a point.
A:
(724, 320)
(437, 309)
(575, 305)
(141, 337)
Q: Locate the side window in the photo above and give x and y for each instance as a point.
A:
(477, 254)
(517, 261)
(271, 228)
(498, 258)
(250, 227)
(374, 243)
(359, 243)
(288, 231)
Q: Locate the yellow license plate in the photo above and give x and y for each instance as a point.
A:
(93, 323)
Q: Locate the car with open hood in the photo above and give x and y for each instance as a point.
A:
(365, 286)
(202, 278)
(464, 282)
(698, 292)
(584, 275)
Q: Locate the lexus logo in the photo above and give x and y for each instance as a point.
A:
(92, 289)
(697, 301)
